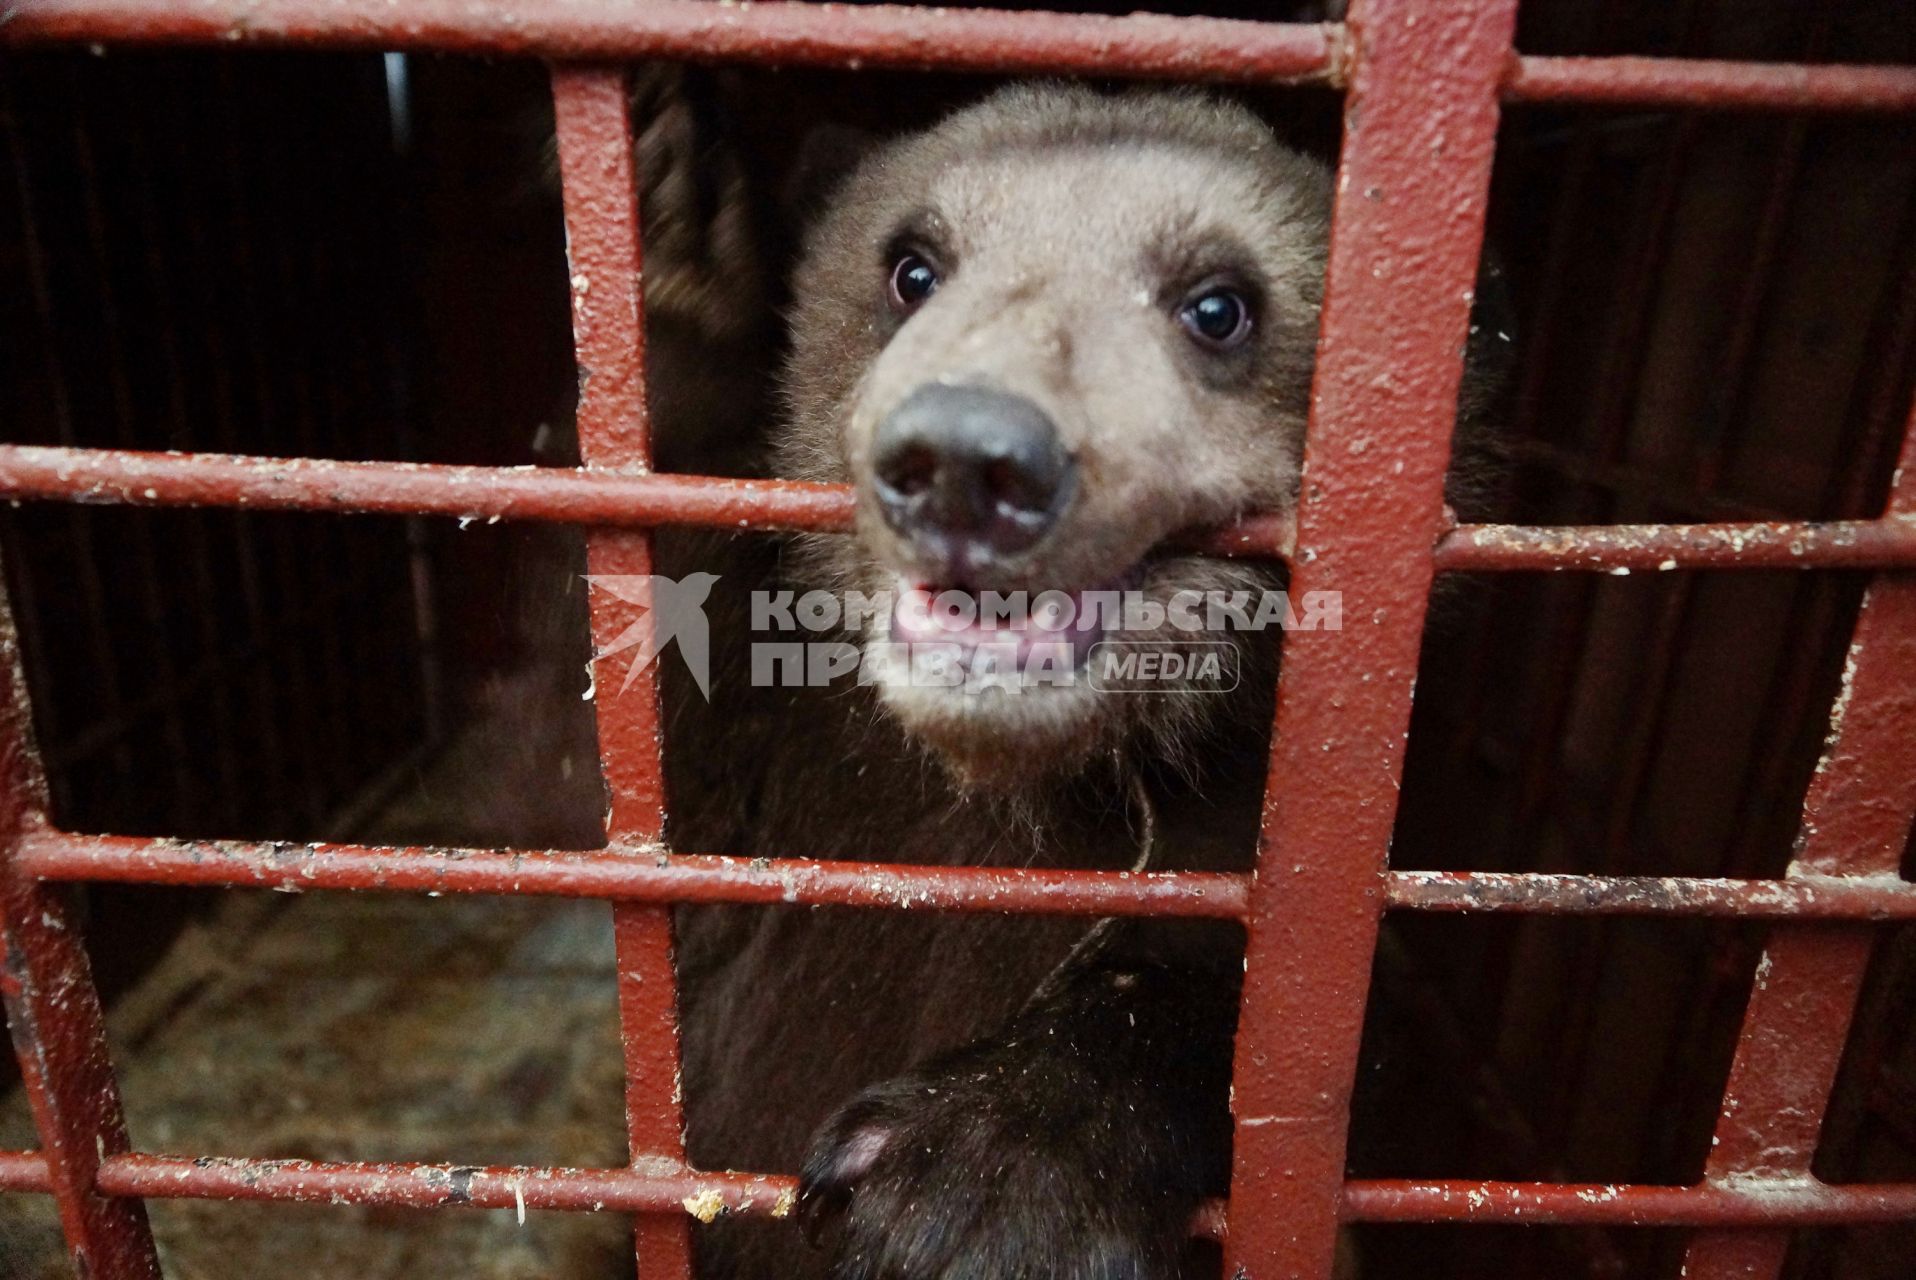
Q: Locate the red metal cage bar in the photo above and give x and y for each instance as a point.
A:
(647, 875)
(55, 1019)
(642, 499)
(659, 1188)
(949, 39)
(1856, 823)
(1413, 182)
(593, 116)
(1427, 79)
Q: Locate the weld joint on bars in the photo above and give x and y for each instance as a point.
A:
(599, 496)
(1147, 45)
(655, 876)
(664, 1187)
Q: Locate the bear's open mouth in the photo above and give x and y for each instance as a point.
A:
(1017, 628)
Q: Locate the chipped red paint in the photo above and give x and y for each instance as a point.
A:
(1802, 898)
(599, 497)
(1889, 543)
(592, 112)
(634, 875)
(1690, 82)
(583, 496)
(794, 34)
(661, 1188)
(652, 1187)
(54, 1016)
(1857, 819)
(1799, 1202)
(24, 1171)
(1419, 128)
(1139, 44)
(1420, 124)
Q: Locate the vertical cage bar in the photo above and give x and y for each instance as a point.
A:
(54, 1016)
(596, 162)
(1856, 822)
(1419, 132)
(1867, 440)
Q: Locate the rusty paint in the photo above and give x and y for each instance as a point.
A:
(660, 1188)
(596, 161)
(1696, 82)
(1412, 185)
(24, 1171)
(646, 875)
(1798, 898)
(613, 499)
(579, 496)
(643, 874)
(1857, 819)
(1889, 543)
(54, 1016)
(1798, 1202)
(656, 1188)
(1140, 44)
(790, 34)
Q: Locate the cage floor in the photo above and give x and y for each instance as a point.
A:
(366, 1027)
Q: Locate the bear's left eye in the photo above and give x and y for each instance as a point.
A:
(913, 279)
(1219, 318)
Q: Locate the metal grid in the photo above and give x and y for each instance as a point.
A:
(1424, 81)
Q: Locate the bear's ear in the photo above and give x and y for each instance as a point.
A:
(826, 157)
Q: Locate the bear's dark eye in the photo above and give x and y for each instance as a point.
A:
(1219, 318)
(912, 281)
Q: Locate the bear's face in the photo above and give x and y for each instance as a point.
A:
(1041, 341)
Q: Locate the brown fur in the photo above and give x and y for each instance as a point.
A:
(1071, 1140)
(1069, 225)
(1070, 220)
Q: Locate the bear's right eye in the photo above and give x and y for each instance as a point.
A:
(1220, 318)
(913, 279)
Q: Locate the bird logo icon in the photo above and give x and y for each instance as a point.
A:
(670, 609)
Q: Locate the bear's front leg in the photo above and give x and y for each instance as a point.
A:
(1075, 1146)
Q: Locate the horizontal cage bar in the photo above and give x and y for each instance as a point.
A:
(1692, 82)
(1219, 49)
(1187, 48)
(1888, 543)
(24, 1171)
(635, 875)
(649, 875)
(591, 496)
(583, 496)
(661, 1187)
(587, 496)
(1755, 1202)
(1797, 898)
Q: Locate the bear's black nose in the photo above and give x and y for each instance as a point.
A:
(969, 473)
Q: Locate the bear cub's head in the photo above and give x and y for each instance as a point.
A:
(1041, 341)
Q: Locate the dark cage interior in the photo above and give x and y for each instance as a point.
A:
(362, 256)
